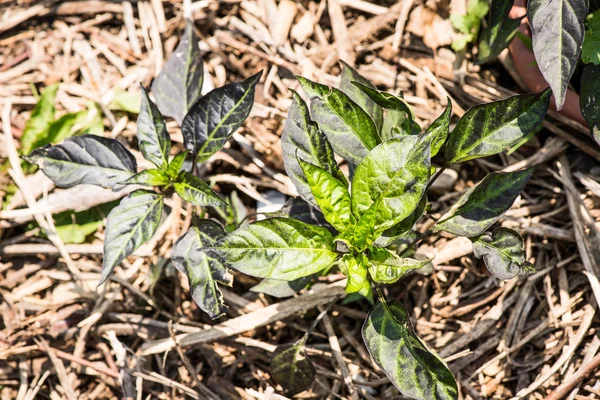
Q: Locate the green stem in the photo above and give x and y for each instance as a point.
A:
(437, 174)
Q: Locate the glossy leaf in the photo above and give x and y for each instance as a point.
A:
(331, 196)
(386, 267)
(277, 248)
(484, 204)
(203, 270)
(415, 370)
(589, 98)
(291, 368)
(152, 135)
(489, 129)
(129, 225)
(178, 85)
(193, 189)
(348, 127)
(85, 159)
(148, 177)
(402, 228)
(439, 129)
(557, 35)
(303, 137)
(41, 116)
(355, 268)
(281, 289)
(503, 252)
(215, 117)
(384, 99)
(348, 76)
(176, 164)
(499, 31)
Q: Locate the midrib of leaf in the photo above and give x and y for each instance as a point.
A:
(87, 166)
(140, 222)
(346, 123)
(489, 246)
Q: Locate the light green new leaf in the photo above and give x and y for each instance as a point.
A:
(303, 137)
(348, 127)
(503, 252)
(499, 31)
(415, 370)
(202, 269)
(402, 228)
(348, 76)
(128, 101)
(176, 164)
(355, 268)
(148, 177)
(331, 196)
(482, 205)
(128, 226)
(36, 127)
(488, 129)
(291, 368)
(152, 135)
(439, 129)
(193, 189)
(386, 267)
(589, 98)
(277, 248)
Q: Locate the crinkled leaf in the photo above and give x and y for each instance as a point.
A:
(215, 117)
(331, 196)
(152, 135)
(503, 252)
(303, 137)
(87, 159)
(277, 248)
(488, 129)
(203, 270)
(484, 204)
(590, 51)
(499, 31)
(439, 129)
(557, 35)
(402, 228)
(386, 267)
(589, 98)
(178, 86)
(36, 127)
(355, 269)
(291, 368)
(350, 75)
(148, 177)
(348, 127)
(281, 289)
(193, 189)
(128, 226)
(410, 365)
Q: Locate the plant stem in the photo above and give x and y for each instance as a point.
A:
(437, 174)
(314, 324)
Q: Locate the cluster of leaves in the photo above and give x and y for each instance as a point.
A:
(468, 25)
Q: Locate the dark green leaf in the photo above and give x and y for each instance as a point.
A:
(277, 248)
(176, 164)
(153, 138)
(402, 228)
(193, 189)
(215, 117)
(331, 196)
(302, 136)
(202, 269)
(148, 177)
(384, 99)
(178, 86)
(386, 267)
(590, 51)
(348, 127)
(36, 127)
(355, 268)
(86, 159)
(281, 289)
(488, 129)
(499, 31)
(440, 129)
(410, 365)
(557, 33)
(484, 204)
(348, 76)
(589, 98)
(128, 226)
(503, 252)
(291, 368)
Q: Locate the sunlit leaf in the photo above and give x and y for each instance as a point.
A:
(148, 177)
(36, 127)
(439, 129)
(152, 135)
(386, 267)
(355, 268)
(193, 189)
(350, 75)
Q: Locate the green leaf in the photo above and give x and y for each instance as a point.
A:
(178, 86)
(152, 135)
(499, 31)
(355, 268)
(281, 289)
(36, 127)
(482, 205)
(439, 129)
(503, 252)
(589, 98)
(76, 227)
(277, 248)
(148, 177)
(291, 368)
(384, 99)
(402, 228)
(348, 76)
(176, 164)
(129, 225)
(215, 117)
(85, 159)
(202, 269)
(386, 267)
(348, 127)
(488, 129)
(123, 100)
(193, 189)
(331, 196)
(557, 35)
(302, 136)
(415, 370)
(388, 185)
